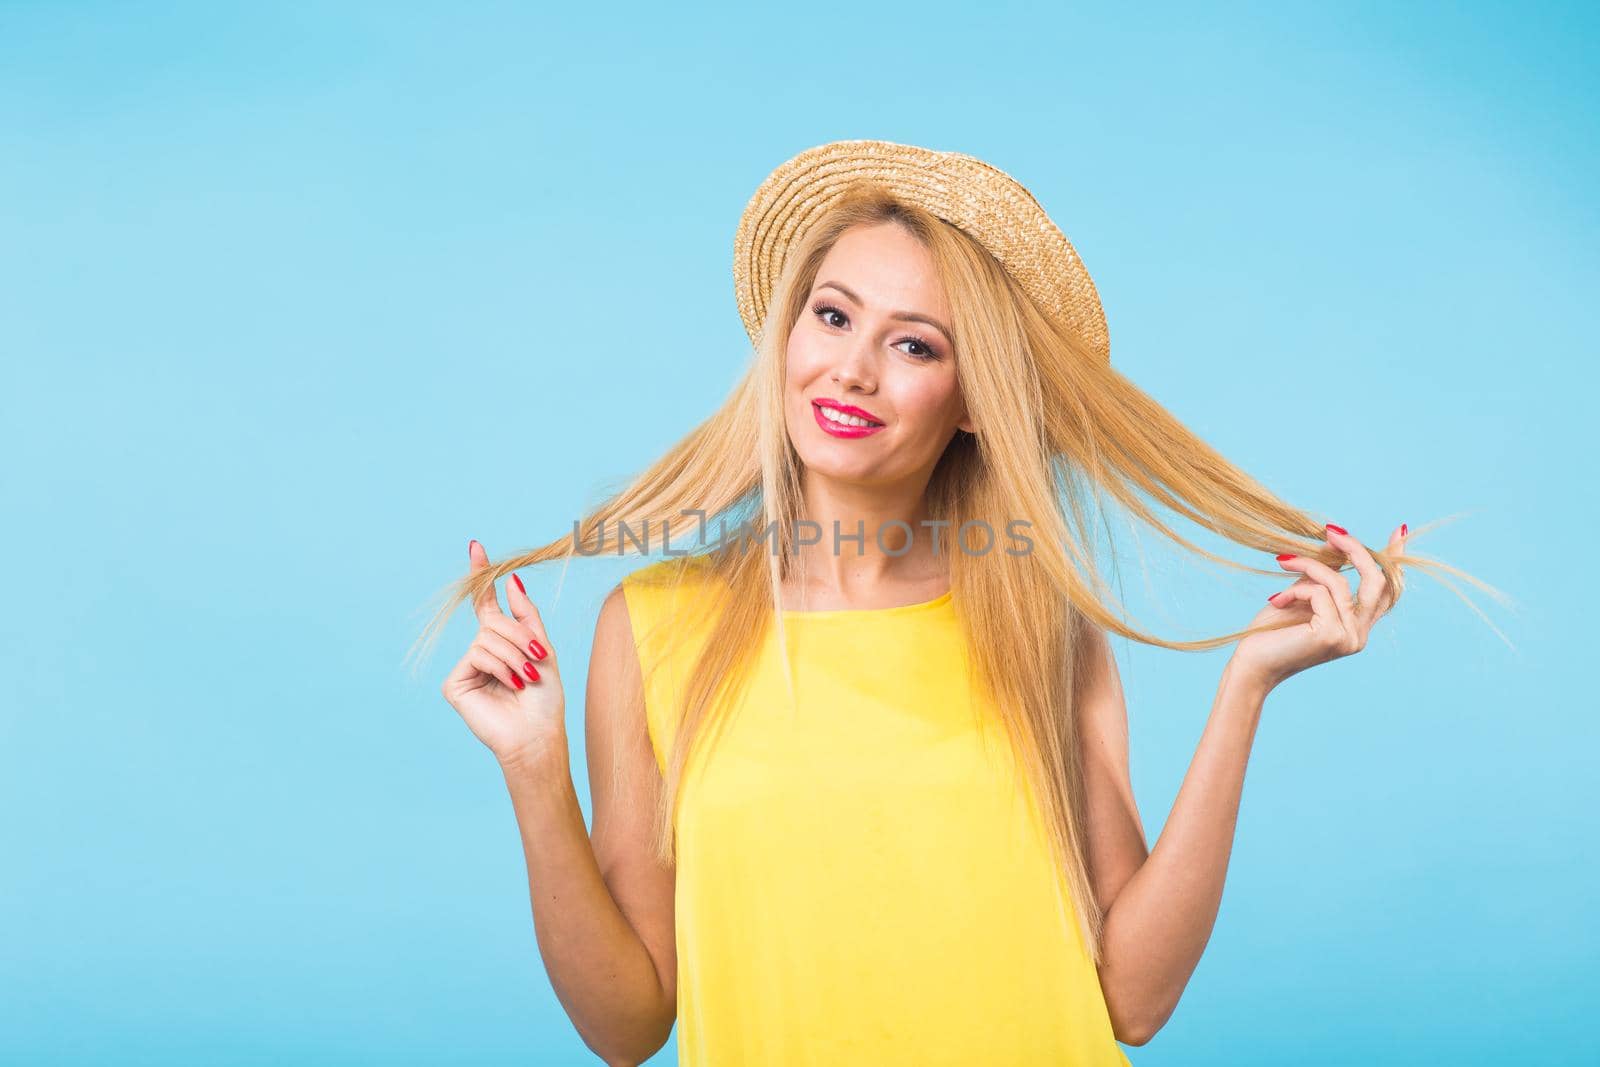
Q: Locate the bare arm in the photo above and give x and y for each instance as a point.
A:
(602, 909)
(1160, 905)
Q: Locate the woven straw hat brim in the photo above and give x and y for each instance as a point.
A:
(975, 196)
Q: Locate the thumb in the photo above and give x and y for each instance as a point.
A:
(488, 601)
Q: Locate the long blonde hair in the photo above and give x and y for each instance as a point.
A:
(1056, 426)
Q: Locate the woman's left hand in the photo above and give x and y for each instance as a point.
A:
(1334, 623)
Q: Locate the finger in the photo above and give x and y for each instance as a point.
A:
(1371, 589)
(1325, 617)
(1336, 584)
(462, 673)
(486, 603)
(527, 613)
(1280, 600)
(1396, 547)
(509, 654)
(492, 665)
(511, 647)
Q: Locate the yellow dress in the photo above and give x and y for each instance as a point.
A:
(864, 881)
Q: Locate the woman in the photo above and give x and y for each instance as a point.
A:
(911, 837)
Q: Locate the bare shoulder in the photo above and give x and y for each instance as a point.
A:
(613, 630)
(615, 711)
(1099, 682)
(1101, 705)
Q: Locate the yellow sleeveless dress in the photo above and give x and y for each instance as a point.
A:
(863, 880)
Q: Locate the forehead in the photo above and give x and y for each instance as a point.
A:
(887, 267)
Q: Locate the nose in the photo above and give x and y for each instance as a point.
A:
(855, 368)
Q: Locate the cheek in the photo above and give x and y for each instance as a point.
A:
(933, 399)
(801, 361)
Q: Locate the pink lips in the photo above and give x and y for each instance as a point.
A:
(836, 429)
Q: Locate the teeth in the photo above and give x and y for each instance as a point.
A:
(844, 420)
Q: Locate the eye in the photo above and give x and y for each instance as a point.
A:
(824, 310)
(925, 346)
(927, 355)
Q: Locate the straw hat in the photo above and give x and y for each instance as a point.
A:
(975, 196)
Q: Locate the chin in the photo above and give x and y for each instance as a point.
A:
(827, 464)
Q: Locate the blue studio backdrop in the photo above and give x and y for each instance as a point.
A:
(295, 299)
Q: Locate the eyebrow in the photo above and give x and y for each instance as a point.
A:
(906, 316)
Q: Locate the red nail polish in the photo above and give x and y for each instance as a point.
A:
(528, 669)
(471, 543)
(1402, 529)
(1271, 601)
(537, 649)
(1341, 529)
(520, 586)
(1285, 555)
(518, 681)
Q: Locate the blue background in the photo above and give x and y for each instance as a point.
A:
(295, 299)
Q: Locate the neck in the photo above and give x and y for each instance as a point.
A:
(881, 556)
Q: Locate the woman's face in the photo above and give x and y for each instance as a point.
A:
(872, 339)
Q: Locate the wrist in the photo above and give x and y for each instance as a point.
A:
(1246, 681)
(537, 759)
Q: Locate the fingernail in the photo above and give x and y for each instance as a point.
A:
(1283, 556)
(519, 681)
(537, 649)
(1270, 600)
(1402, 529)
(528, 669)
(471, 543)
(1341, 529)
(520, 586)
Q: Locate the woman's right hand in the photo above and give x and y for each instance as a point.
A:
(507, 687)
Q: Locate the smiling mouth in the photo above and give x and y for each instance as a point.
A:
(836, 423)
(843, 418)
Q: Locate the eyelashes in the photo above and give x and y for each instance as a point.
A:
(822, 308)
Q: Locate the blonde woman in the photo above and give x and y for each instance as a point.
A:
(860, 786)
